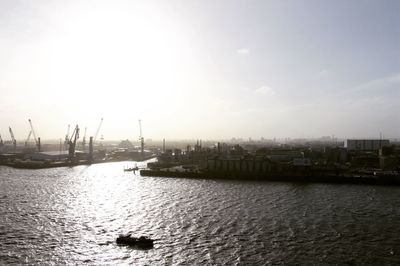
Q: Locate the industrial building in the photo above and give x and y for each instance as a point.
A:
(240, 165)
(366, 144)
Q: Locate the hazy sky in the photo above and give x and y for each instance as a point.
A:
(201, 69)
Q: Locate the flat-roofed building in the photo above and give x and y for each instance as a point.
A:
(366, 144)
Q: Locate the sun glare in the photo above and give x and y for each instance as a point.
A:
(121, 57)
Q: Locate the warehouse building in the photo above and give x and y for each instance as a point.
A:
(366, 144)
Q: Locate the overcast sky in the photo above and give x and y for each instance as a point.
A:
(201, 69)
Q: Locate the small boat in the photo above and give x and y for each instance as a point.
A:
(142, 242)
(131, 169)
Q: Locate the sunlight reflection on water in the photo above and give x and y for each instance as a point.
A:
(73, 215)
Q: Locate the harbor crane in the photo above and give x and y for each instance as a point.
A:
(14, 142)
(72, 143)
(141, 139)
(37, 140)
(28, 138)
(97, 131)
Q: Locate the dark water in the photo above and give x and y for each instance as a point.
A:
(73, 215)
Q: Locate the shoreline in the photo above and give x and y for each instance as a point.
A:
(33, 165)
(317, 177)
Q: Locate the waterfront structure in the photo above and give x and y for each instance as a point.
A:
(49, 155)
(256, 165)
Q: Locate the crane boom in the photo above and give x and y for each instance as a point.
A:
(98, 130)
(72, 142)
(37, 140)
(12, 134)
(33, 131)
(28, 138)
(14, 142)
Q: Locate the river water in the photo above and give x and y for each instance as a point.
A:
(73, 215)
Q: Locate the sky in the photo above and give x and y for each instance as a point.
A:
(201, 69)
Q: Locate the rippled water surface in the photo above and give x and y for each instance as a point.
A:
(73, 215)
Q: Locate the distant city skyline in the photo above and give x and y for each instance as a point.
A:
(201, 69)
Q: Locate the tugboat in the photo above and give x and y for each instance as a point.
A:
(142, 242)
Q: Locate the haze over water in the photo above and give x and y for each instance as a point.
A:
(73, 215)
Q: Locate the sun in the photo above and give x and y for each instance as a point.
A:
(118, 56)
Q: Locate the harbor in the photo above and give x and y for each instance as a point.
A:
(227, 132)
(74, 150)
(354, 161)
(324, 160)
